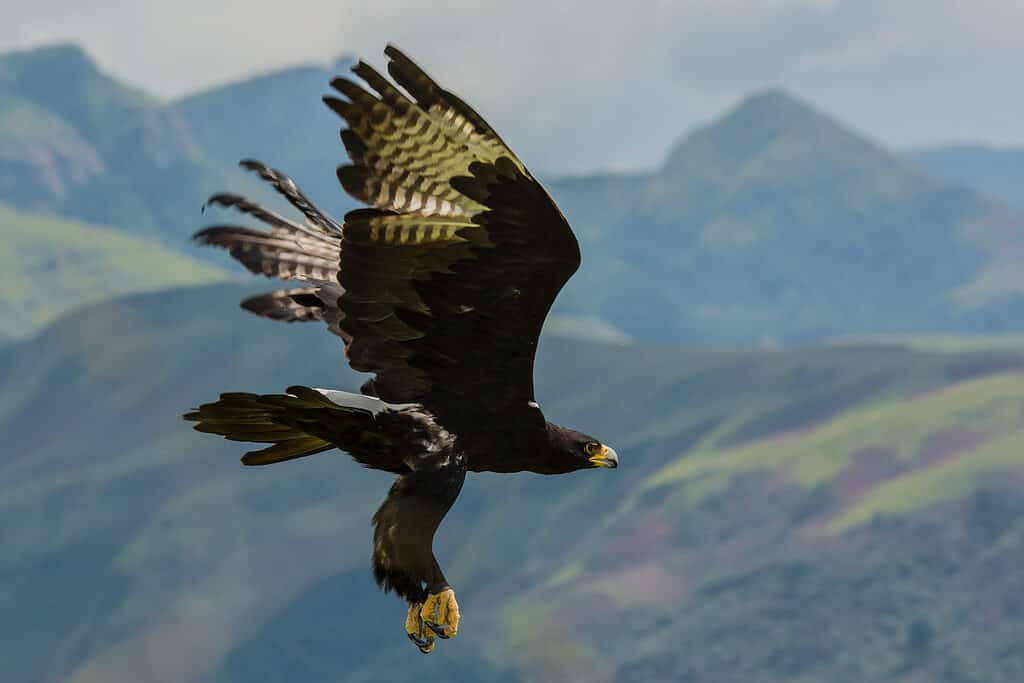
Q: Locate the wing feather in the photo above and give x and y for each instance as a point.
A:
(441, 288)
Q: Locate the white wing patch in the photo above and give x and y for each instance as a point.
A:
(370, 404)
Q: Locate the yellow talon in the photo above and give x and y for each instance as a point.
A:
(440, 613)
(417, 632)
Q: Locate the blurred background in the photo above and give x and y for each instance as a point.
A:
(799, 321)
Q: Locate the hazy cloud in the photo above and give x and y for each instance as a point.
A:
(581, 84)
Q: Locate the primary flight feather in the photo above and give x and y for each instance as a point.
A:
(440, 290)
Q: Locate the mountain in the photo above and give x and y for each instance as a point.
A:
(50, 266)
(840, 514)
(773, 225)
(75, 142)
(777, 224)
(997, 172)
(277, 118)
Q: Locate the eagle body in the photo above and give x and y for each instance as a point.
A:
(439, 290)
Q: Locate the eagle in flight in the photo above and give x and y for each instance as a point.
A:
(440, 290)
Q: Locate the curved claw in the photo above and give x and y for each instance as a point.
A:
(440, 630)
(425, 645)
(440, 614)
(415, 631)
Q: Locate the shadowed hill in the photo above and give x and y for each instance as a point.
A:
(134, 544)
(50, 266)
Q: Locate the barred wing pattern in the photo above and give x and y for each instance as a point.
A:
(440, 289)
(448, 282)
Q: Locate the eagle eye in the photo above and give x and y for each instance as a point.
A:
(592, 448)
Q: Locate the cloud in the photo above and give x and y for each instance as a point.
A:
(578, 84)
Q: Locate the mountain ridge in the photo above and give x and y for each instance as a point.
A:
(774, 224)
(108, 153)
(290, 130)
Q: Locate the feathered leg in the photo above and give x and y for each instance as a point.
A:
(403, 556)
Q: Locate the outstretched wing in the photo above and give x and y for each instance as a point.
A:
(440, 289)
(448, 281)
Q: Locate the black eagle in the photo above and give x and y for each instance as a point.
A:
(440, 290)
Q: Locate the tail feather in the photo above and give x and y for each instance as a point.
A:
(302, 422)
(275, 420)
(286, 450)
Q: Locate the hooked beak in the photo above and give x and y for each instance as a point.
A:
(606, 458)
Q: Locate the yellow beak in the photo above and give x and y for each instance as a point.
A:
(606, 458)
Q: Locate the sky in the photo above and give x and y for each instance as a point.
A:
(588, 85)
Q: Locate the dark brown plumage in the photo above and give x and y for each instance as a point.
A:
(440, 290)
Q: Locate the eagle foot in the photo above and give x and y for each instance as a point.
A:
(440, 613)
(416, 631)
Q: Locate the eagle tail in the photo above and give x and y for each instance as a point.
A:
(302, 422)
(272, 419)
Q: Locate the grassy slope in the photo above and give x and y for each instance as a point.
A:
(880, 544)
(147, 548)
(52, 265)
(935, 447)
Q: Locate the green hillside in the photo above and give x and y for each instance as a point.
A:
(52, 265)
(841, 514)
(938, 445)
(880, 544)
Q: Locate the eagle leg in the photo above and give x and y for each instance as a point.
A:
(416, 631)
(440, 613)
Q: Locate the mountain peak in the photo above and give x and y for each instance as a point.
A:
(773, 100)
(64, 80)
(768, 114)
(68, 59)
(772, 138)
(755, 124)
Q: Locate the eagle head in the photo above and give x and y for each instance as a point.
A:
(578, 451)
